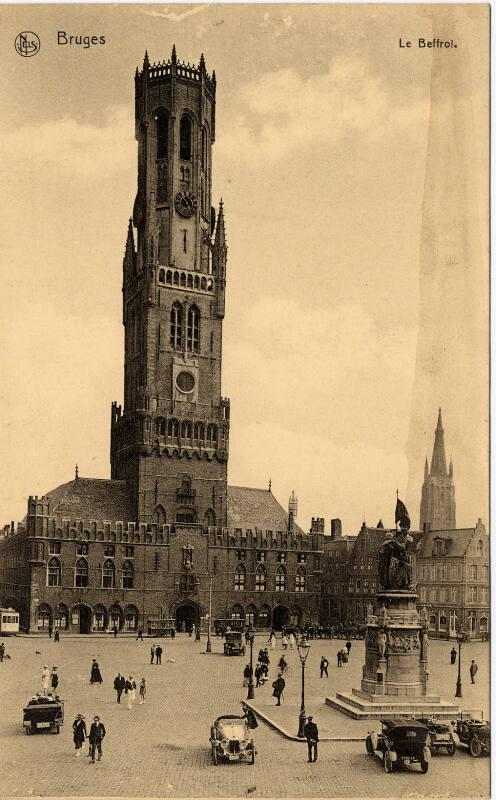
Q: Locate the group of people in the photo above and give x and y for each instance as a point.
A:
(49, 680)
(128, 687)
(156, 653)
(343, 654)
(95, 737)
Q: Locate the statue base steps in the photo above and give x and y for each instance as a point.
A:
(358, 705)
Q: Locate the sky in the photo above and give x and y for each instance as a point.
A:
(326, 158)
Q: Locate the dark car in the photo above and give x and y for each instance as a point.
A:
(233, 645)
(475, 733)
(441, 735)
(231, 740)
(43, 713)
(401, 741)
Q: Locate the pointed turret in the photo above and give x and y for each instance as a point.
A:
(146, 61)
(203, 68)
(174, 55)
(438, 463)
(426, 468)
(451, 468)
(220, 232)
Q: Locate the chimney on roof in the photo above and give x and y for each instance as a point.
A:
(336, 529)
(318, 525)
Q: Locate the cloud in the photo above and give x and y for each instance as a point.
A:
(285, 111)
(172, 16)
(83, 150)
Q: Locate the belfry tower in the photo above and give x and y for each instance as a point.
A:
(437, 507)
(170, 442)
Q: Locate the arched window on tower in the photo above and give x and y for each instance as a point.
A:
(54, 572)
(193, 330)
(162, 130)
(240, 578)
(185, 139)
(172, 429)
(176, 326)
(480, 548)
(159, 515)
(108, 575)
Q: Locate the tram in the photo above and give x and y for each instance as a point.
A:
(9, 621)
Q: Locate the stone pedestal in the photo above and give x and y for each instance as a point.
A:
(395, 674)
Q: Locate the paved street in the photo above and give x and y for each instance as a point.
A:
(161, 749)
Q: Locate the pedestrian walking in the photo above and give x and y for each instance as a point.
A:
(247, 672)
(142, 691)
(258, 675)
(311, 733)
(130, 689)
(119, 685)
(2, 651)
(45, 679)
(50, 629)
(249, 716)
(340, 658)
(96, 737)
(344, 655)
(96, 675)
(79, 733)
(115, 631)
(323, 667)
(140, 635)
(473, 671)
(292, 641)
(453, 655)
(54, 678)
(273, 641)
(56, 638)
(283, 665)
(152, 653)
(284, 642)
(278, 687)
(158, 654)
(348, 647)
(193, 630)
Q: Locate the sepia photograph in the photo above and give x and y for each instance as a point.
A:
(244, 313)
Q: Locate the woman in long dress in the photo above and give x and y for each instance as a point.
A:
(45, 679)
(80, 734)
(96, 676)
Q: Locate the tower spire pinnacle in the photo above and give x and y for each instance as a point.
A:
(438, 463)
(220, 231)
(174, 54)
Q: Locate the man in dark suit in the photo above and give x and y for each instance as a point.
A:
(278, 687)
(311, 733)
(97, 734)
(119, 684)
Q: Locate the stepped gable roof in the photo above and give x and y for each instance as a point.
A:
(256, 508)
(91, 498)
(459, 540)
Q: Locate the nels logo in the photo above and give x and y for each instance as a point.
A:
(27, 44)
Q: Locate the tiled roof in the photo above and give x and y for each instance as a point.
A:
(91, 498)
(255, 508)
(459, 541)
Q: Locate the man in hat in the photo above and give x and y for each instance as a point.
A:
(311, 733)
(119, 684)
(97, 734)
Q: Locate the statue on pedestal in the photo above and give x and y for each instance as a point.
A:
(381, 642)
(395, 570)
(424, 642)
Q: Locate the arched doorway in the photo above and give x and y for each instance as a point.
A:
(81, 618)
(280, 617)
(187, 614)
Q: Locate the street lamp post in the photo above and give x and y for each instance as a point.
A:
(458, 692)
(251, 688)
(303, 651)
(209, 644)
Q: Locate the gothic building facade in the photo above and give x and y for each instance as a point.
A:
(166, 536)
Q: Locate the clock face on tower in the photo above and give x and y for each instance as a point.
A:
(185, 382)
(185, 204)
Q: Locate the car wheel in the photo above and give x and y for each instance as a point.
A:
(369, 746)
(28, 731)
(451, 749)
(388, 764)
(424, 766)
(475, 747)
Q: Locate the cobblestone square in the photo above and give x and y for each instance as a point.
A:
(161, 748)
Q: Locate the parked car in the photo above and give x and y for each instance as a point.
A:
(230, 740)
(43, 713)
(233, 645)
(401, 741)
(476, 733)
(441, 735)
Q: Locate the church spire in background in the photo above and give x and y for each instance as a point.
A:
(438, 463)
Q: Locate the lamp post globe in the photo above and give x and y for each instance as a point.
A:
(303, 647)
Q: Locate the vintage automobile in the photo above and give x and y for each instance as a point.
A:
(475, 733)
(233, 645)
(441, 735)
(402, 741)
(231, 740)
(43, 713)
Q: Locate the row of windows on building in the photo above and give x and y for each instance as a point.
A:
(281, 583)
(190, 433)
(185, 280)
(102, 619)
(282, 556)
(81, 574)
(454, 594)
(82, 549)
(445, 572)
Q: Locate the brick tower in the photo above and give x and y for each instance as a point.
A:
(170, 442)
(437, 507)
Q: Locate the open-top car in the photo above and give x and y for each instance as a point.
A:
(401, 741)
(476, 733)
(231, 740)
(441, 735)
(43, 713)
(233, 644)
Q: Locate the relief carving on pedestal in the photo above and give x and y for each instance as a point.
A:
(403, 642)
